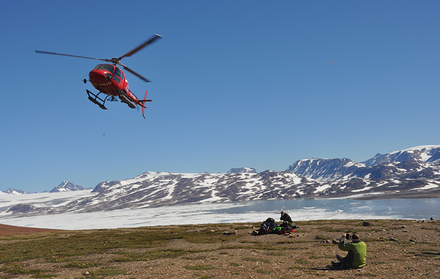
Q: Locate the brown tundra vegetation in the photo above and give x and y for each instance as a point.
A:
(396, 249)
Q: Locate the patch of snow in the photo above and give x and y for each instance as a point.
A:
(43, 199)
(426, 187)
(322, 188)
(362, 190)
(357, 196)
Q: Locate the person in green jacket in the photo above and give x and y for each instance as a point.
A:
(357, 252)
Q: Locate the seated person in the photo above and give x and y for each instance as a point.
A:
(357, 252)
(285, 218)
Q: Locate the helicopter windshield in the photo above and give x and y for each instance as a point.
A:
(106, 67)
(117, 75)
(117, 72)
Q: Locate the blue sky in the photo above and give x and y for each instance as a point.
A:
(234, 83)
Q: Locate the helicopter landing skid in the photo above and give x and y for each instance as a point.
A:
(96, 100)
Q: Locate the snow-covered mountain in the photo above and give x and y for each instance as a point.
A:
(160, 188)
(12, 191)
(377, 167)
(413, 172)
(324, 169)
(425, 153)
(410, 172)
(152, 189)
(66, 186)
(242, 170)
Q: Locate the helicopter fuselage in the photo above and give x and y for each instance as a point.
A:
(110, 80)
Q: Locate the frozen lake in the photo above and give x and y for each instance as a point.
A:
(240, 212)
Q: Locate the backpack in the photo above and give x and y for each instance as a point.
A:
(267, 227)
(271, 220)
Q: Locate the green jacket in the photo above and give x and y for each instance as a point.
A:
(357, 253)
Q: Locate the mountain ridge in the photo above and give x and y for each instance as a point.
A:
(65, 186)
(412, 172)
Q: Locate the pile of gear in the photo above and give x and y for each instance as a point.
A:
(270, 227)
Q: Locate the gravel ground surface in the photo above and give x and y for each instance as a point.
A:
(396, 249)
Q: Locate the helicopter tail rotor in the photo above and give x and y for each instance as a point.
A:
(142, 103)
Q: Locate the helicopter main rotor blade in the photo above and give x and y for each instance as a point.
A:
(77, 56)
(134, 73)
(149, 41)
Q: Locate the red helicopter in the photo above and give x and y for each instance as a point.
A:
(110, 80)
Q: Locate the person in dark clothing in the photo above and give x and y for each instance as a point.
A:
(357, 252)
(285, 217)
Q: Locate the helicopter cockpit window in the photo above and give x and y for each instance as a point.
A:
(117, 72)
(117, 75)
(106, 67)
